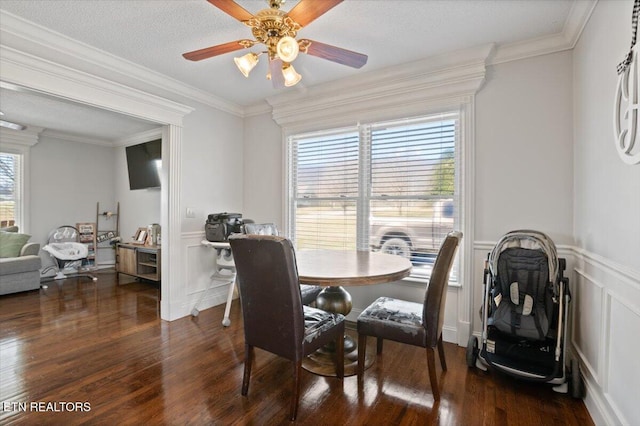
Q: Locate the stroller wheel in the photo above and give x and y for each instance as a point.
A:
(576, 385)
(472, 351)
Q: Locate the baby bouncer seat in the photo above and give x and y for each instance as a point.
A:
(66, 252)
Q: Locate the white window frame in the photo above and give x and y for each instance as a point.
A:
(18, 190)
(364, 197)
(20, 143)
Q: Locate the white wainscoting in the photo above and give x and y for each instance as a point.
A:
(606, 337)
(198, 267)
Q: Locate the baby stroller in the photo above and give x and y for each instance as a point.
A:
(524, 313)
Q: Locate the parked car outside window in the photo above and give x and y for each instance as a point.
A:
(416, 238)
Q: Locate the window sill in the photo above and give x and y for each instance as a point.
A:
(422, 281)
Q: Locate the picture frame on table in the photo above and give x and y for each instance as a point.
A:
(141, 236)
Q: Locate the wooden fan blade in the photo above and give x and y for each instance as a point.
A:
(208, 52)
(275, 69)
(308, 10)
(232, 8)
(333, 53)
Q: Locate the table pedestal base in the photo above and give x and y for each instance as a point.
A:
(322, 361)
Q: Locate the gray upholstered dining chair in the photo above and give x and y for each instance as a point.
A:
(418, 324)
(275, 319)
(309, 292)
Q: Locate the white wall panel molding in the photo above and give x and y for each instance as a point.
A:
(620, 366)
(623, 273)
(607, 320)
(589, 322)
(197, 269)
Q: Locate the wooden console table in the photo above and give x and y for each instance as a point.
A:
(142, 261)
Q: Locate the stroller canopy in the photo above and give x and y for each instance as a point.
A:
(527, 239)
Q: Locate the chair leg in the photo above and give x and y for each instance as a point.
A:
(362, 354)
(431, 363)
(340, 356)
(297, 372)
(443, 362)
(248, 360)
(379, 345)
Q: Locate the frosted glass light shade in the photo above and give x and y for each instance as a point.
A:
(291, 77)
(246, 63)
(287, 49)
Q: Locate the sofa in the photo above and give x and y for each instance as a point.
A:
(20, 262)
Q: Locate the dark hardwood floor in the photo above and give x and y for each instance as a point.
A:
(81, 352)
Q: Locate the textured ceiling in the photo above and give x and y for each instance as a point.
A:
(59, 115)
(155, 33)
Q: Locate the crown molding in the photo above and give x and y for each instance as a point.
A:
(407, 89)
(257, 109)
(579, 15)
(19, 30)
(38, 74)
(70, 137)
(146, 136)
(566, 40)
(27, 137)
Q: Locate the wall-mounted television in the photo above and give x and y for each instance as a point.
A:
(144, 162)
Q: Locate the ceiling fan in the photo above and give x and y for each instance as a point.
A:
(277, 31)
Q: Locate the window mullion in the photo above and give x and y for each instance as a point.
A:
(364, 188)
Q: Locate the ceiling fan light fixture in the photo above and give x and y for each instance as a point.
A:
(246, 63)
(291, 77)
(287, 49)
(277, 31)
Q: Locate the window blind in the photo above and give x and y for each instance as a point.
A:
(388, 186)
(412, 201)
(9, 188)
(325, 189)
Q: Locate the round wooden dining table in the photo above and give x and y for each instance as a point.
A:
(333, 269)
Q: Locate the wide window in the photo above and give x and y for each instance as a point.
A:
(10, 189)
(389, 186)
